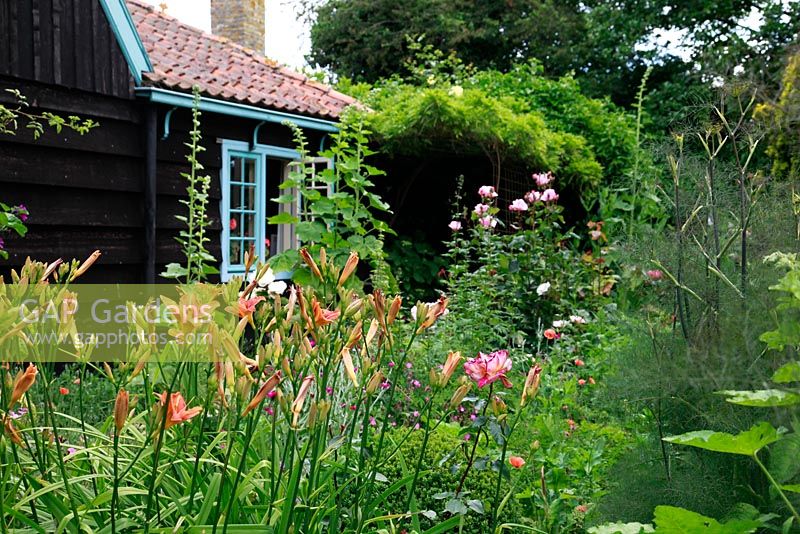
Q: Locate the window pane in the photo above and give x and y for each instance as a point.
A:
(249, 171)
(249, 197)
(236, 252)
(236, 168)
(236, 197)
(248, 226)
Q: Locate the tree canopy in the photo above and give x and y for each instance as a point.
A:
(606, 44)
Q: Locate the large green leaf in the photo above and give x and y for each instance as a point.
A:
(672, 520)
(746, 443)
(621, 528)
(789, 372)
(763, 398)
(784, 458)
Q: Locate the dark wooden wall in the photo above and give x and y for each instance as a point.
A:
(62, 42)
(87, 192)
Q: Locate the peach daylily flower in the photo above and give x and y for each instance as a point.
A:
(453, 359)
(176, 409)
(266, 388)
(248, 306)
(322, 316)
(297, 404)
(22, 383)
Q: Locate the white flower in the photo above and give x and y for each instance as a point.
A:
(560, 323)
(456, 91)
(277, 288)
(266, 279)
(543, 288)
(577, 319)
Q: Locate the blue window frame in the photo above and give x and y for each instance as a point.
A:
(244, 208)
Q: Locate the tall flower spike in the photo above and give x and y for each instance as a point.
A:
(121, 409)
(310, 262)
(349, 267)
(22, 383)
(271, 383)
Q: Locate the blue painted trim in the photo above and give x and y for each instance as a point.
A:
(233, 109)
(260, 153)
(167, 120)
(128, 38)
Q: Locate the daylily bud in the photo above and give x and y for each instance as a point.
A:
(355, 335)
(459, 395)
(297, 404)
(453, 359)
(310, 262)
(531, 384)
(12, 432)
(323, 407)
(109, 372)
(434, 312)
(347, 360)
(121, 409)
(498, 406)
(349, 267)
(271, 383)
(378, 302)
(353, 308)
(394, 309)
(243, 386)
(323, 258)
(374, 382)
(311, 422)
(85, 265)
(291, 303)
(22, 384)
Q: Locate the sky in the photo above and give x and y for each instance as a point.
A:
(287, 37)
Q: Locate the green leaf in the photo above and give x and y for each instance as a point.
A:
(283, 218)
(672, 520)
(763, 398)
(789, 372)
(746, 443)
(621, 528)
(175, 270)
(794, 488)
(456, 507)
(444, 526)
(783, 464)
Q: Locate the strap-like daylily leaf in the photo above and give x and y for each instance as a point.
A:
(746, 443)
(672, 520)
(794, 488)
(789, 372)
(763, 398)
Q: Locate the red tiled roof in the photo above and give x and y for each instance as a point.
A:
(183, 56)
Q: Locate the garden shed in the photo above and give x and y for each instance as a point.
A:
(131, 68)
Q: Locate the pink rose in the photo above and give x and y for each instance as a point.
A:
(533, 196)
(549, 195)
(518, 205)
(488, 368)
(488, 221)
(481, 209)
(542, 178)
(454, 226)
(487, 191)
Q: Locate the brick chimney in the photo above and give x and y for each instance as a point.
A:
(241, 21)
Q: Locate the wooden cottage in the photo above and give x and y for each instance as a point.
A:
(131, 68)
